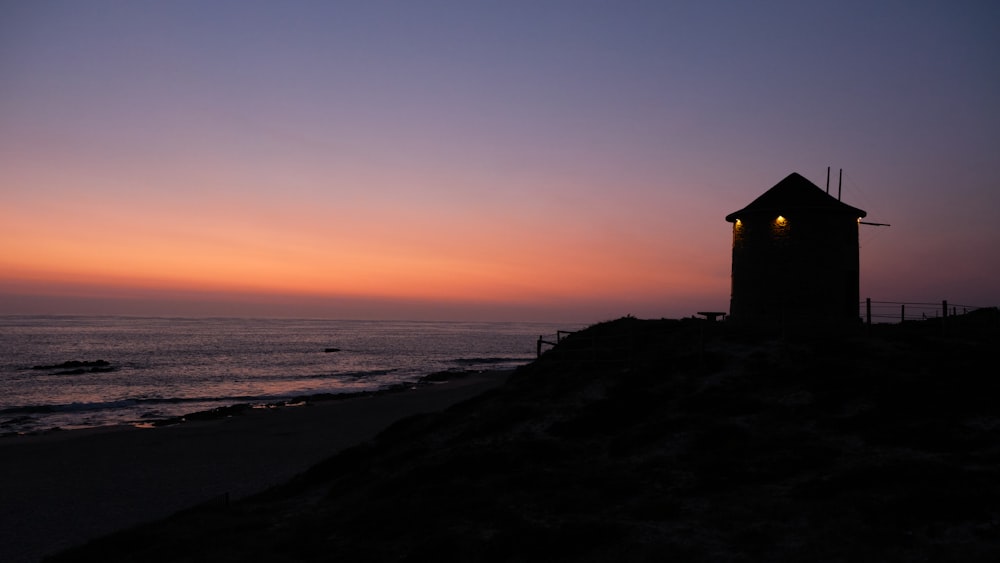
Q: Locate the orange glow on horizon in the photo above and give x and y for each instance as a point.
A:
(403, 259)
(210, 227)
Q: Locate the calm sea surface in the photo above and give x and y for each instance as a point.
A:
(162, 367)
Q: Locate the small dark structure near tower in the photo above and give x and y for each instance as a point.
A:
(795, 257)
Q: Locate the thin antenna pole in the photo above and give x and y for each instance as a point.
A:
(827, 179)
(839, 183)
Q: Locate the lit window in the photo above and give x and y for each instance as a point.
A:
(781, 220)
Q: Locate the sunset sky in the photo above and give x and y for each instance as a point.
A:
(480, 160)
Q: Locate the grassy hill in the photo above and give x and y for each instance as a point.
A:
(657, 440)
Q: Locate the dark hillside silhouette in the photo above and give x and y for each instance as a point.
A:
(656, 440)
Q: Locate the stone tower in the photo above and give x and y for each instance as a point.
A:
(795, 258)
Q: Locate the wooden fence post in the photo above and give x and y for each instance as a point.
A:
(944, 316)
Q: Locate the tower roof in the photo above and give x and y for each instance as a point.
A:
(795, 193)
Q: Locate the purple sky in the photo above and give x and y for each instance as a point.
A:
(532, 160)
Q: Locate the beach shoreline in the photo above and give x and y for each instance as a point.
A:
(61, 488)
(241, 408)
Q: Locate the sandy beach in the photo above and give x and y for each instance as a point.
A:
(61, 489)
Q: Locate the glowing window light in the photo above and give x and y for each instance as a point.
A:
(781, 220)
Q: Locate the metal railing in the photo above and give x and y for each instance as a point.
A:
(560, 334)
(900, 311)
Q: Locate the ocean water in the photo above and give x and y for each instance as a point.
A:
(159, 368)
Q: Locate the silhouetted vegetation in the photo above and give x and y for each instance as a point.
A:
(656, 440)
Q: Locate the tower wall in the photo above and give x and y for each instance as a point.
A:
(796, 269)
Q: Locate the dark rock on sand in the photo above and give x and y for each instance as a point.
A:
(446, 375)
(655, 441)
(211, 414)
(76, 367)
